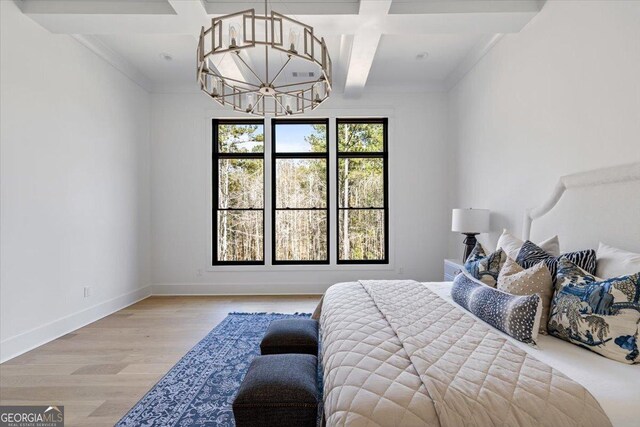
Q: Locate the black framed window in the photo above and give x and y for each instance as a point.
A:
(362, 172)
(300, 191)
(238, 192)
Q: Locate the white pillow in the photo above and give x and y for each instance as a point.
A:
(511, 245)
(614, 262)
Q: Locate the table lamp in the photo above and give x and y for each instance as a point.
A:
(469, 222)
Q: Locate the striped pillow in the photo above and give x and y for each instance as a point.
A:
(531, 254)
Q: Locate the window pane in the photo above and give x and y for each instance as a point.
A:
(240, 236)
(301, 235)
(361, 137)
(301, 183)
(240, 138)
(240, 183)
(361, 183)
(361, 234)
(301, 138)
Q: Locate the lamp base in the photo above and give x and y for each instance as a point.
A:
(469, 242)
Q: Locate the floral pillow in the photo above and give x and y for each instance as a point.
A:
(597, 314)
(485, 267)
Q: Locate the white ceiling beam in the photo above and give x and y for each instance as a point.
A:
(340, 65)
(363, 51)
(325, 25)
(404, 7)
(194, 13)
(181, 20)
(365, 44)
(245, 74)
(289, 7)
(229, 66)
(458, 23)
(374, 7)
(191, 12)
(149, 7)
(182, 17)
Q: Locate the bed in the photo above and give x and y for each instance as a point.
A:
(403, 353)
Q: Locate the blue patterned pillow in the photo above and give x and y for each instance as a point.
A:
(515, 315)
(531, 254)
(597, 314)
(485, 268)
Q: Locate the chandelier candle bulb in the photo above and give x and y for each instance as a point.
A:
(293, 40)
(216, 86)
(233, 35)
(251, 99)
(319, 89)
(287, 102)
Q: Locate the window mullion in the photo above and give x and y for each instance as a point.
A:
(332, 185)
(269, 193)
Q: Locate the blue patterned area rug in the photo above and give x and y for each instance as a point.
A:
(200, 388)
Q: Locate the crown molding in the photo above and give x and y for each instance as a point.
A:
(94, 44)
(473, 57)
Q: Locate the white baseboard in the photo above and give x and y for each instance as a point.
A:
(19, 344)
(239, 289)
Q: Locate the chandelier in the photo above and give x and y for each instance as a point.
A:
(269, 91)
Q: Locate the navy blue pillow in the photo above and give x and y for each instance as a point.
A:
(515, 315)
(485, 267)
(531, 254)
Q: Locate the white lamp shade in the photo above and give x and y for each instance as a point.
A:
(470, 220)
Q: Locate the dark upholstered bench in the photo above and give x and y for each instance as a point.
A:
(291, 336)
(279, 390)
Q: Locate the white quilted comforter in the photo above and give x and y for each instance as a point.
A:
(396, 354)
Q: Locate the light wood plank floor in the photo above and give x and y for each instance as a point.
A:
(100, 371)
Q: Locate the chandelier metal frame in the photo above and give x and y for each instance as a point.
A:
(268, 97)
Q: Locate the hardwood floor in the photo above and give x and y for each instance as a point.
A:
(100, 371)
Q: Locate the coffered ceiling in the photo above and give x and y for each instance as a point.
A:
(376, 45)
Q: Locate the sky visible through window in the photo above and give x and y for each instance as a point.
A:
(291, 138)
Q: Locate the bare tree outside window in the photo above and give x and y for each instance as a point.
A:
(300, 191)
(362, 191)
(239, 192)
(300, 197)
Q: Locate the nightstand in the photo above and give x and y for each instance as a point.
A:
(451, 269)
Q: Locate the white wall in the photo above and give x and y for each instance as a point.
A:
(104, 185)
(181, 198)
(561, 96)
(74, 185)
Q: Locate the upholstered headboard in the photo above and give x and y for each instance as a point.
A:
(602, 205)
